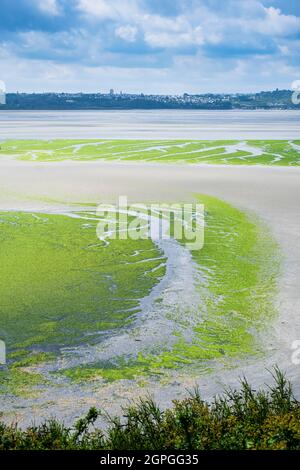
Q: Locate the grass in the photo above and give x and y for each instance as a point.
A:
(252, 152)
(240, 419)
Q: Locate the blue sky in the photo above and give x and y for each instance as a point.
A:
(151, 46)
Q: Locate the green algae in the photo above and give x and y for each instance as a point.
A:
(19, 382)
(256, 152)
(241, 262)
(60, 287)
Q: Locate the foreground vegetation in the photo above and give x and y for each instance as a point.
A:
(225, 152)
(240, 419)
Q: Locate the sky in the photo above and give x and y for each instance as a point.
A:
(149, 46)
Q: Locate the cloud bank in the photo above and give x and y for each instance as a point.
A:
(149, 45)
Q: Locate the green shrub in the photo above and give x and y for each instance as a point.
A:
(239, 419)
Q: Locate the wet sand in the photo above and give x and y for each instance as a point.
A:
(150, 124)
(272, 193)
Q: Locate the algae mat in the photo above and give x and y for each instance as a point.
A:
(75, 309)
(226, 152)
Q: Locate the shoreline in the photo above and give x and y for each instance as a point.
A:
(151, 124)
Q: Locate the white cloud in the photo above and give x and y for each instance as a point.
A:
(99, 8)
(284, 49)
(195, 26)
(49, 6)
(192, 74)
(256, 47)
(165, 32)
(108, 9)
(34, 40)
(280, 24)
(170, 39)
(128, 33)
(268, 22)
(163, 23)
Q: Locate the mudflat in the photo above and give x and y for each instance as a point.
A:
(271, 193)
(150, 124)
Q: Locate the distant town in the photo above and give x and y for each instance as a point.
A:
(277, 99)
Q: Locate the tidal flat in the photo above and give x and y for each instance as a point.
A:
(150, 124)
(75, 309)
(100, 324)
(224, 152)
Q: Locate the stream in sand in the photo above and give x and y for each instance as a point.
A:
(272, 193)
